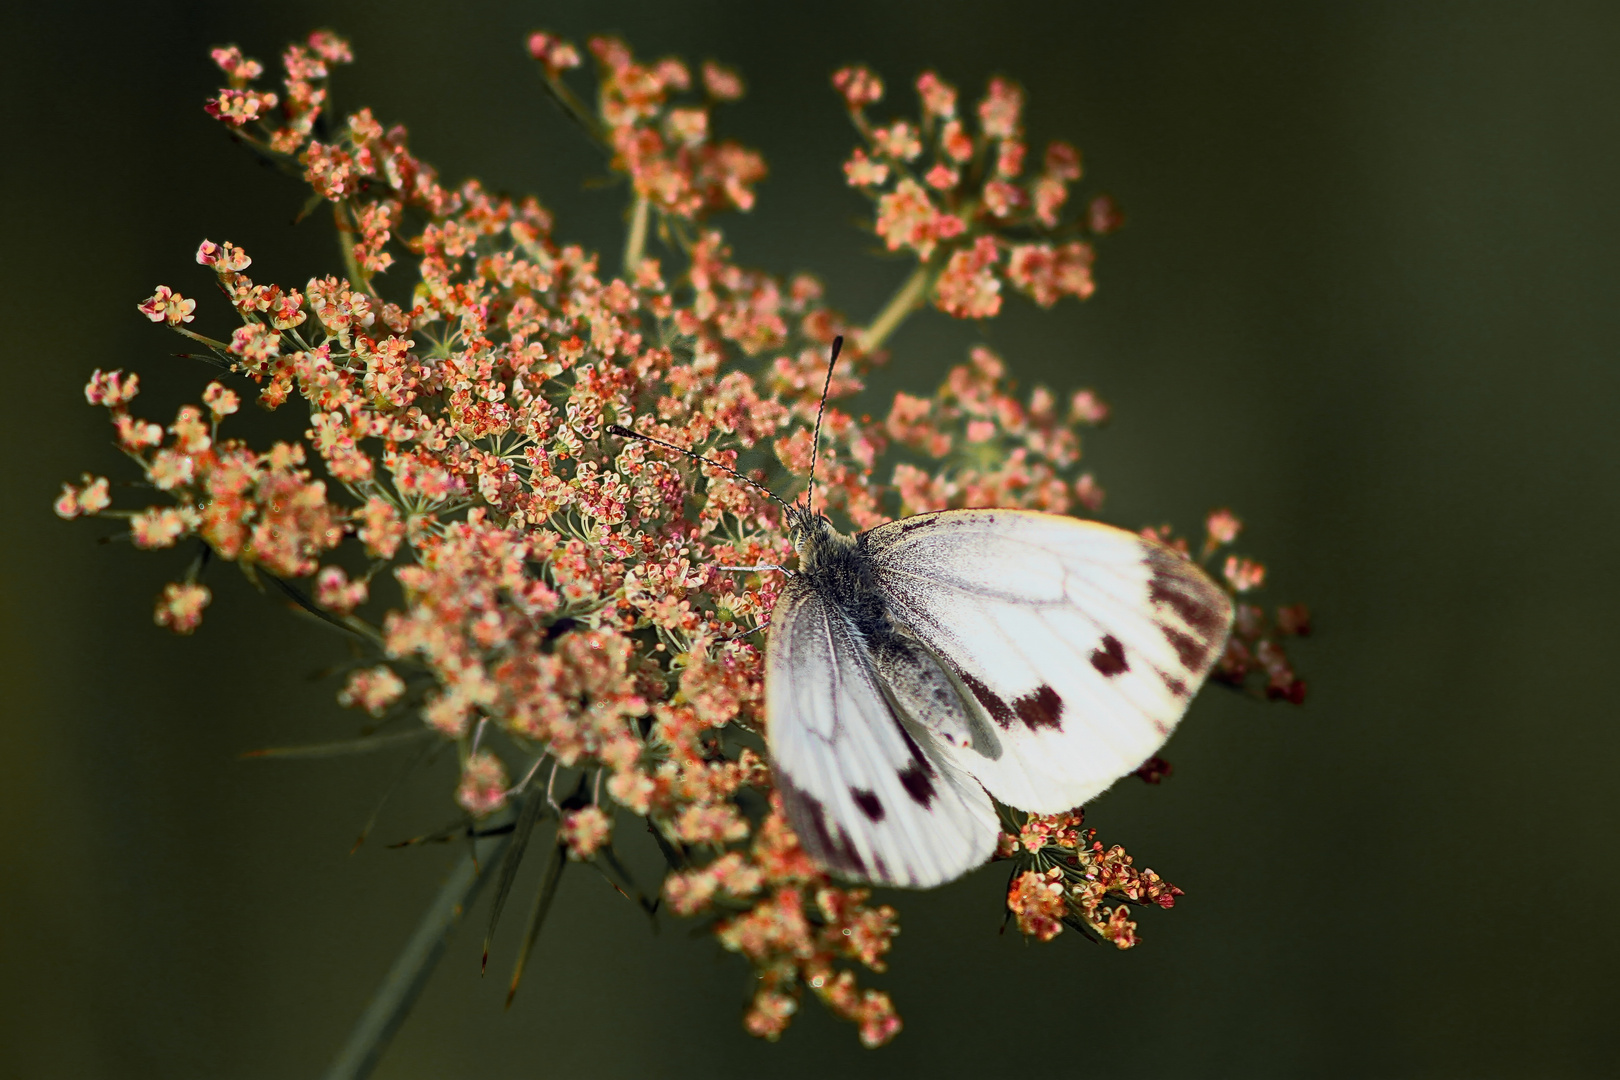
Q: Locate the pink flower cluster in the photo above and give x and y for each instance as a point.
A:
(1065, 877)
(546, 596)
(956, 191)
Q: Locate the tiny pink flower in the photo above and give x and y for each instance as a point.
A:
(722, 83)
(862, 171)
(1223, 526)
(181, 605)
(220, 401)
(483, 784)
(859, 86)
(166, 305)
(938, 96)
(372, 689)
(1243, 574)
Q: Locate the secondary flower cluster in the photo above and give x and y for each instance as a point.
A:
(955, 190)
(1065, 877)
(559, 597)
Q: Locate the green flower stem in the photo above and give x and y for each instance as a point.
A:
(351, 264)
(415, 963)
(635, 245)
(911, 295)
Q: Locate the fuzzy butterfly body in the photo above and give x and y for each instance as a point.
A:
(920, 668)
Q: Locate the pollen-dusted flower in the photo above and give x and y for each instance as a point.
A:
(898, 141)
(859, 86)
(1037, 903)
(969, 288)
(1243, 575)
(166, 305)
(255, 343)
(335, 592)
(1223, 527)
(482, 790)
(373, 689)
(938, 97)
(239, 107)
(1088, 492)
(907, 218)
(1103, 216)
(381, 529)
(1087, 408)
(90, 497)
(107, 388)
(585, 831)
(239, 69)
(157, 527)
(1048, 273)
(180, 606)
(1001, 108)
(722, 83)
(862, 171)
(220, 401)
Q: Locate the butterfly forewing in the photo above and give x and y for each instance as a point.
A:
(868, 798)
(1079, 645)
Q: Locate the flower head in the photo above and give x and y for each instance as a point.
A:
(452, 484)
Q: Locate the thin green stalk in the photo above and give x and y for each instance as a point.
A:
(635, 245)
(351, 263)
(911, 295)
(415, 963)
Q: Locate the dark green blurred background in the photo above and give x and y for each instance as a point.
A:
(1367, 297)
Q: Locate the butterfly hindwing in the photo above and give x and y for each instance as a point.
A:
(867, 797)
(1078, 645)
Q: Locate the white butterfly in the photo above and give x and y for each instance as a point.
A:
(921, 667)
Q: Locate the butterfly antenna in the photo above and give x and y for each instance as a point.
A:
(624, 432)
(815, 442)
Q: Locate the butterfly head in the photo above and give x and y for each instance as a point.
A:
(815, 540)
(807, 529)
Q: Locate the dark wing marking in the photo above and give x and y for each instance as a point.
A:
(1078, 644)
(869, 797)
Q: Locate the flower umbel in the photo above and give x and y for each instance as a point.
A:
(549, 598)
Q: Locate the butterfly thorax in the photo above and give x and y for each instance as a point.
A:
(838, 569)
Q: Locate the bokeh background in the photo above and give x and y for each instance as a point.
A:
(1366, 296)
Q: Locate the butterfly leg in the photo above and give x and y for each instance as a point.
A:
(755, 569)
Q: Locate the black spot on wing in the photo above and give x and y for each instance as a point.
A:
(808, 816)
(1040, 708)
(869, 803)
(1173, 684)
(999, 710)
(1183, 588)
(917, 777)
(1109, 657)
(1194, 655)
(917, 784)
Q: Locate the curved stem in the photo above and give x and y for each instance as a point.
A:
(911, 295)
(415, 963)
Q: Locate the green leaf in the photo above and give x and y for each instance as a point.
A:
(534, 805)
(366, 745)
(410, 765)
(542, 905)
(649, 906)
